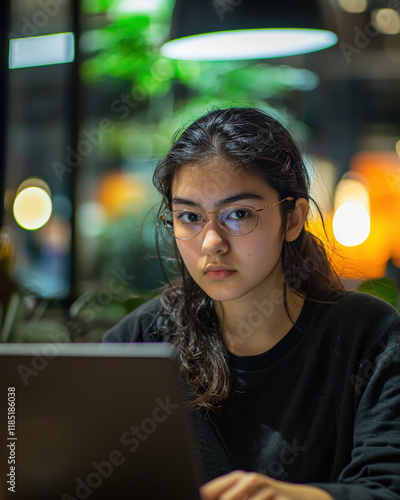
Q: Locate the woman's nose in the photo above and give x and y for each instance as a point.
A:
(215, 239)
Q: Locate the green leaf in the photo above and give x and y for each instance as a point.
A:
(384, 288)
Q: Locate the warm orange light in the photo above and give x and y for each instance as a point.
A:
(381, 171)
(122, 194)
(351, 224)
(352, 189)
(351, 221)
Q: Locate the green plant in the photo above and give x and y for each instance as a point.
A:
(123, 49)
(383, 288)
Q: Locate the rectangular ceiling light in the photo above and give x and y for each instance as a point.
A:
(41, 50)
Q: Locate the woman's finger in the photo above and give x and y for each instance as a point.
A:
(246, 487)
(269, 493)
(213, 489)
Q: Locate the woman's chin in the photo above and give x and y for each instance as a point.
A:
(223, 295)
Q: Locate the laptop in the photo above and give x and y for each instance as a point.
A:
(94, 421)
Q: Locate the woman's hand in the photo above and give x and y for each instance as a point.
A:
(239, 485)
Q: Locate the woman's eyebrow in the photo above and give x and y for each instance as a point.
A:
(183, 201)
(219, 203)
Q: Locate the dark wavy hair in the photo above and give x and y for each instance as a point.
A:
(249, 139)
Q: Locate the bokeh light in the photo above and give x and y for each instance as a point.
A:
(32, 205)
(353, 6)
(91, 219)
(351, 188)
(120, 7)
(387, 21)
(351, 221)
(351, 224)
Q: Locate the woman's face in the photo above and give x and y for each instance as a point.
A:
(230, 267)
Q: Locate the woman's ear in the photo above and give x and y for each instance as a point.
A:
(296, 219)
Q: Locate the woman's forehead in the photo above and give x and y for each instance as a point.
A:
(211, 165)
(215, 180)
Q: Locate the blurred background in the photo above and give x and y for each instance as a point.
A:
(92, 93)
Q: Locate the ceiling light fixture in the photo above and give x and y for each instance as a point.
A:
(245, 29)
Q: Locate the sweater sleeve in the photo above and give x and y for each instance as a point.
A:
(374, 469)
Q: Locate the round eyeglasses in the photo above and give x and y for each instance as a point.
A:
(236, 220)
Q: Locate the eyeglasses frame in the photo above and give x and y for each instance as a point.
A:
(163, 216)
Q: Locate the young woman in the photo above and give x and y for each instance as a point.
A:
(294, 382)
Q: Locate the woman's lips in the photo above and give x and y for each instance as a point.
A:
(219, 275)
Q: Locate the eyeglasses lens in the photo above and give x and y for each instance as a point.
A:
(186, 224)
(183, 224)
(238, 221)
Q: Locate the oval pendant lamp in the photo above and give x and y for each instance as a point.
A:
(217, 30)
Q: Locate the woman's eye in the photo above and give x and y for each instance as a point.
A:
(188, 217)
(239, 214)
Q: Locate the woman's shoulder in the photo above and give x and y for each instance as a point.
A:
(140, 325)
(346, 300)
(358, 316)
(364, 304)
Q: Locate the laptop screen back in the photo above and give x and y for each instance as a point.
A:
(94, 421)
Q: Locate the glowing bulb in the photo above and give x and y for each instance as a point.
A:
(353, 6)
(351, 224)
(32, 207)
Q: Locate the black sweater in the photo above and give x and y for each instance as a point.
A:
(320, 407)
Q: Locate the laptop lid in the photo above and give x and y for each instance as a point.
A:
(94, 421)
